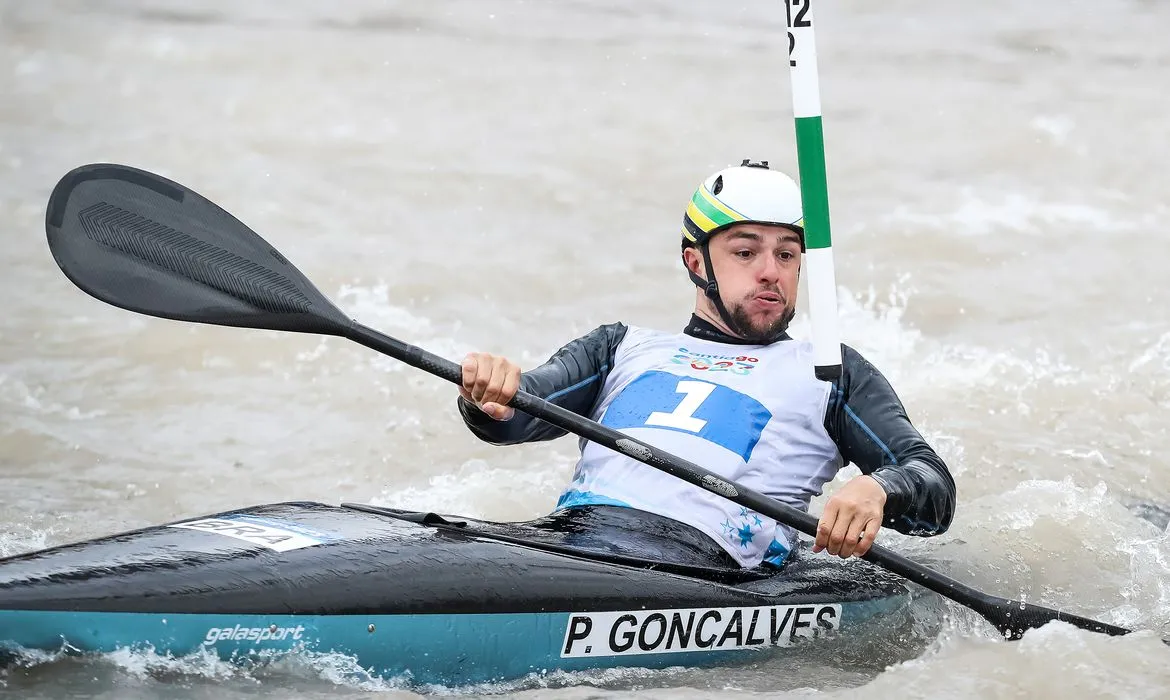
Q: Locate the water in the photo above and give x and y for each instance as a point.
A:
(506, 175)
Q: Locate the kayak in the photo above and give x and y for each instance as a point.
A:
(430, 598)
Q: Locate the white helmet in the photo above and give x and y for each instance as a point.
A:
(746, 193)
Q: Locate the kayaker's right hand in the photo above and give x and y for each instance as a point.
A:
(490, 382)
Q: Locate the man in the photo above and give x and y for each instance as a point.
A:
(733, 393)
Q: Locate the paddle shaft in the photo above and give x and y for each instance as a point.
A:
(591, 430)
(999, 611)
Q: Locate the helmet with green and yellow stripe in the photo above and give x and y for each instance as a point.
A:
(747, 193)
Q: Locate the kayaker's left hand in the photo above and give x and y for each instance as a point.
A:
(852, 518)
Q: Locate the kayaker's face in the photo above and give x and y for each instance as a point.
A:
(757, 268)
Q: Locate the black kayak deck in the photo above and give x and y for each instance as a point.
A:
(358, 559)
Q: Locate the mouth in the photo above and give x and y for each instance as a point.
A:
(769, 298)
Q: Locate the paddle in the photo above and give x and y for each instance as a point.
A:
(141, 242)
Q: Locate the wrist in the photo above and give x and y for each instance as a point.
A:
(889, 484)
(877, 486)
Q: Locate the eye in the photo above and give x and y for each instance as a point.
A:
(743, 254)
(787, 255)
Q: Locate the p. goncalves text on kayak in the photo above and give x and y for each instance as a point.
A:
(698, 629)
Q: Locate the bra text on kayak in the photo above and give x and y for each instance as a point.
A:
(254, 531)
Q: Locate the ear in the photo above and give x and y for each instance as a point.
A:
(693, 260)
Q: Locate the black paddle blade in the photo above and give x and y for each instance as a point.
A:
(1013, 618)
(142, 242)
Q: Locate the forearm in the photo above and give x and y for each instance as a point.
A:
(571, 378)
(872, 430)
(920, 496)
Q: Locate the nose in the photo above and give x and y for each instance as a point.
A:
(769, 269)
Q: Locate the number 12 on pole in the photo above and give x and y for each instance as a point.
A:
(814, 186)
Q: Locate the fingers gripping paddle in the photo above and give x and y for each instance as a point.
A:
(141, 242)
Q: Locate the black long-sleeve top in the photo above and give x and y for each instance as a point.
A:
(864, 418)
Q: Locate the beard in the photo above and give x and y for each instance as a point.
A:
(760, 334)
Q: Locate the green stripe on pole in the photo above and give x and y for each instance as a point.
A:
(814, 185)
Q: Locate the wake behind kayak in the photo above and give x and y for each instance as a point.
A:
(437, 599)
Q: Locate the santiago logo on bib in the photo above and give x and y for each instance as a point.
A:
(714, 412)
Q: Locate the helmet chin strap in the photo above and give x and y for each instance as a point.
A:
(710, 288)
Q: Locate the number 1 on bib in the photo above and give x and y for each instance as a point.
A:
(683, 416)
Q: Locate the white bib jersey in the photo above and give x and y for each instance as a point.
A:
(754, 414)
